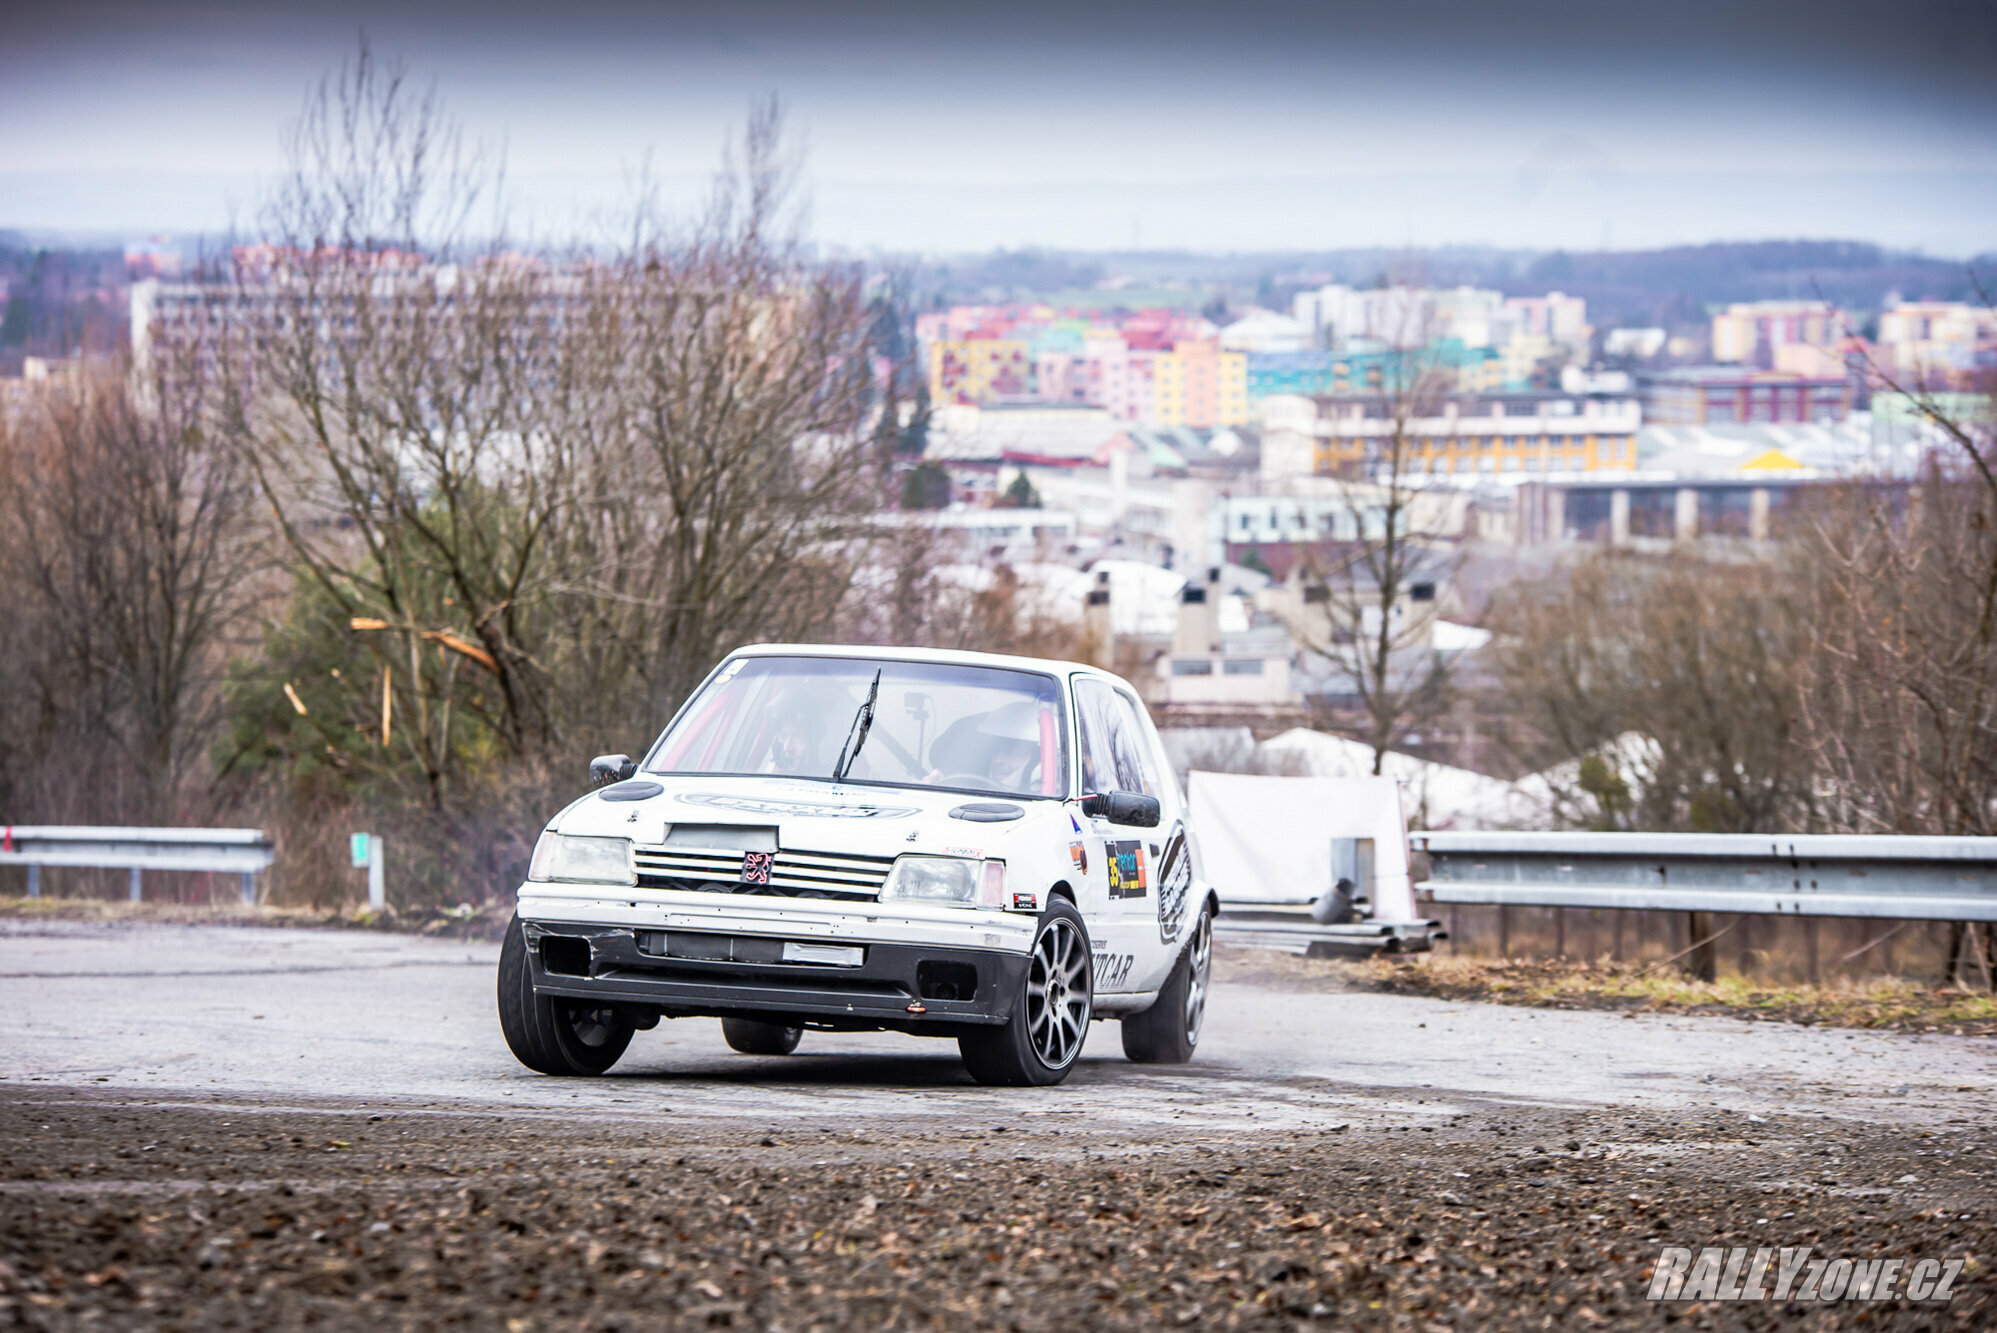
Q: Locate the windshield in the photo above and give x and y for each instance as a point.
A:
(968, 728)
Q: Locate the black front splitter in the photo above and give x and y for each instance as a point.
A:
(894, 986)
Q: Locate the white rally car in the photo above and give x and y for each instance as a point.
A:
(941, 843)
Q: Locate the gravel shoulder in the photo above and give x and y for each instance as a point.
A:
(207, 1127)
(138, 1213)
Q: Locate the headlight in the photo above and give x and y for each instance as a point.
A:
(568, 860)
(946, 879)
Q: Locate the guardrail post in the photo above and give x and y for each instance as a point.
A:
(249, 889)
(34, 881)
(1704, 962)
(138, 883)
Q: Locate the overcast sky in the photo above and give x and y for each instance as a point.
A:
(938, 127)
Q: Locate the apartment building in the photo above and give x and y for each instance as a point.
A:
(1463, 437)
(1720, 395)
(1937, 343)
(1749, 333)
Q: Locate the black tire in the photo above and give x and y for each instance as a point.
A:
(548, 1033)
(1167, 1032)
(1037, 1046)
(753, 1037)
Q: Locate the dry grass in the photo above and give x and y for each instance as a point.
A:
(1883, 1003)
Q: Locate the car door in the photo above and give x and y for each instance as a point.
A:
(1116, 756)
(1174, 855)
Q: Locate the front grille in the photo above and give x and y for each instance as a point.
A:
(792, 874)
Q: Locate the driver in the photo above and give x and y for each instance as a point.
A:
(794, 739)
(1013, 734)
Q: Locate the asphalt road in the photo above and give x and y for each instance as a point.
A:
(266, 1013)
(215, 1127)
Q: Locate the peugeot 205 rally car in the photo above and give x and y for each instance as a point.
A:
(947, 844)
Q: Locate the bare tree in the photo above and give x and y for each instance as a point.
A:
(1661, 693)
(393, 369)
(736, 450)
(1357, 607)
(1901, 689)
(133, 559)
(545, 493)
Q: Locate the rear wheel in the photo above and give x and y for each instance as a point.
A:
(551, 1034)
(752, 1037)
(1167, 1032)
(1037, 1046)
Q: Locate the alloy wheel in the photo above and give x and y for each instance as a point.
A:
(1057, 994)
(1196, 979)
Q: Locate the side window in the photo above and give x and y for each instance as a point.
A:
(1140, 747)
(1113, 755)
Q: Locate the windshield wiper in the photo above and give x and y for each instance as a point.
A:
(856, 735)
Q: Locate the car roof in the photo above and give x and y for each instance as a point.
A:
(950, 656)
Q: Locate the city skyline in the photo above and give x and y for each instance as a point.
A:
(1275, 126)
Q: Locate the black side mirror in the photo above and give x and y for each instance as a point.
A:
(1124, 807)
(610, 768)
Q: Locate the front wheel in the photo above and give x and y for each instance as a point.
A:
(752, 1037)
(1037, 1046)
(551, 1034)
(1166, 1033)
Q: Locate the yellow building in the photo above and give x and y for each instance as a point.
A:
(975, 370)
(1199, 385)
(1500, 434)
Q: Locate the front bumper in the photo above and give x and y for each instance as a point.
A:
(908, 987)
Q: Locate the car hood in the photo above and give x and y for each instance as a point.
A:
(808, 816)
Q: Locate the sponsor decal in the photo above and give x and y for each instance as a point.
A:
(1076, 822)
(1113, 970)
(1127, 873)
(1792, 1273)
(1025, 902)
(1175, 882)
(756, 867)
(797, 809)
(975, 853)
(1078, 853)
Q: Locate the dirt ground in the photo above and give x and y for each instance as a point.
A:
(153, 1213)
(207, 1127)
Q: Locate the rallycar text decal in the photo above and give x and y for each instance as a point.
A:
(1112, 970)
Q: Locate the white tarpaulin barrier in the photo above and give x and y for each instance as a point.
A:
(1266, 840)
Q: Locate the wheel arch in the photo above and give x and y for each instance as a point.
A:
(1062, 889)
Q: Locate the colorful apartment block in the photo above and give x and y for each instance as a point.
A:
(1748, 333)
(1199, 385)
(1162, 367)
(979, 370)
(1937, 343)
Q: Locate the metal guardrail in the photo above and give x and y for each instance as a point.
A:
(1896, 878)
(241, 851)
(1294, 931)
